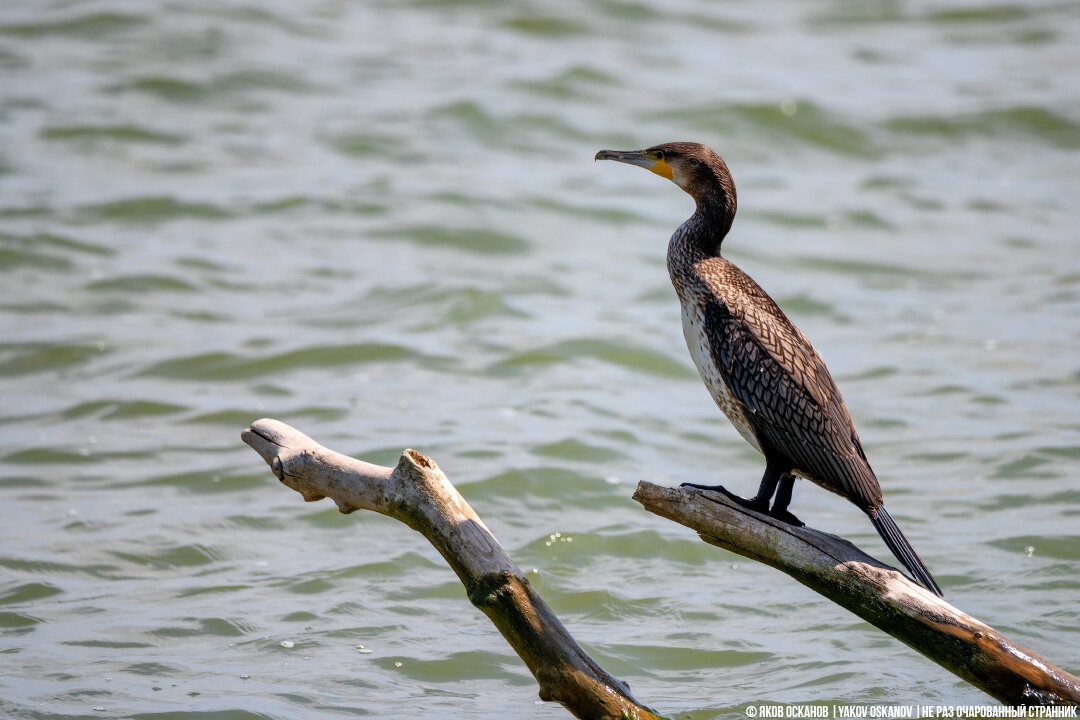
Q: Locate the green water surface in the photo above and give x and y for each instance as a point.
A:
(381, 222)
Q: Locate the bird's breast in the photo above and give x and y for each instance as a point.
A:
(697, 340)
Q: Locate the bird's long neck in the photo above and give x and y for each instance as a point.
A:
(700, 236)
(712, 220)
(716, 203)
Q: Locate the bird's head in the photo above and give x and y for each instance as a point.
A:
(692, 166)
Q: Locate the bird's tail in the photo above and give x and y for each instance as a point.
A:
(903, 551)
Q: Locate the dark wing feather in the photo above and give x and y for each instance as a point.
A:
(790, 398)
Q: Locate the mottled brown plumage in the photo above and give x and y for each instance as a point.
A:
(761, 370)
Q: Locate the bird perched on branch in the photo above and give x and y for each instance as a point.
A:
(760, 369)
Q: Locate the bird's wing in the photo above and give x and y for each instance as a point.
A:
(790, 397)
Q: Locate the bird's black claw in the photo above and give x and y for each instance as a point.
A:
(761, 506)
(785, 516)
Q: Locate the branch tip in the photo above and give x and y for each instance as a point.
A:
(419, 459)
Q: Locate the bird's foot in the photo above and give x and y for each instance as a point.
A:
(785, 516)
(755, 504)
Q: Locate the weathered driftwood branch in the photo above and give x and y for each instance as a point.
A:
(875, 592)
(418, 494)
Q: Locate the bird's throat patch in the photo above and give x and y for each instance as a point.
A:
(662, 169)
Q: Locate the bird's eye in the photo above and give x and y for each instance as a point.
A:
(659, 154)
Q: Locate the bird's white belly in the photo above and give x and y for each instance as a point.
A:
(698, 343)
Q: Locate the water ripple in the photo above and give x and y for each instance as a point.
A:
(224, 366)
(381, 222)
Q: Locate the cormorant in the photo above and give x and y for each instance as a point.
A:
(760, 369)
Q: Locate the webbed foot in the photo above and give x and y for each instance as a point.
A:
(755, 504)
(785, 516)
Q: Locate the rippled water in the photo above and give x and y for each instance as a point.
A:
(381, 222)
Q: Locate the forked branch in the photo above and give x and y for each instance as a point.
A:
(418, 494)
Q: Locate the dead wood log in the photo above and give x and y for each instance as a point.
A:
(875, 592)
(418, 494)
